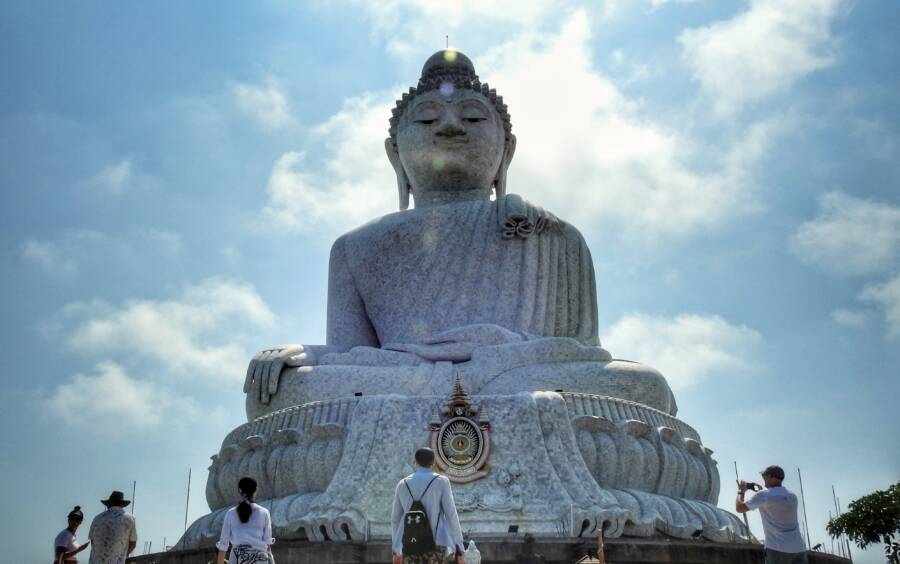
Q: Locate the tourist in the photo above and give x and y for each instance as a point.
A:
(113, 533)
(247, 528)
(433, 490)
(66, 545)
(778, 511)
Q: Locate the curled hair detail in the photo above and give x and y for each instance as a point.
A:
(459, 78)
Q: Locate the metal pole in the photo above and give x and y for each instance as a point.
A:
(837, 513)
(737, 480)
(187, 504)
(846, 538)
(803, 499)
(133, 490)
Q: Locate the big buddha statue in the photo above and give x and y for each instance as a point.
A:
(470, 322)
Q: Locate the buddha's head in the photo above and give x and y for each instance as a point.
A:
(450, 135)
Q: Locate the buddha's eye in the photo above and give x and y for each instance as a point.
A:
(472, 119)
(426, 121)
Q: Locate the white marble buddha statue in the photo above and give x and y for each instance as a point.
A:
(472, 281)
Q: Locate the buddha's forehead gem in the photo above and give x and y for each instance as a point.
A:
(447, 88)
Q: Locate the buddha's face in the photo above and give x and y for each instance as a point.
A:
(451, 140)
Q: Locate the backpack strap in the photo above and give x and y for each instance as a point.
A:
(426, 487)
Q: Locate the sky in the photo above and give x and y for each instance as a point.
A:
(172, 176)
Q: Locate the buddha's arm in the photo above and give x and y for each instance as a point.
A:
(348, 323)
(348, 327)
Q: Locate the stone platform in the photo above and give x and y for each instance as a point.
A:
(509, 550)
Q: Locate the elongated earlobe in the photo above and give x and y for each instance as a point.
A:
(403, 187)
(403, 190)
(500, 181)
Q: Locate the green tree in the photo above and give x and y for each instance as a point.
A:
(872, 519)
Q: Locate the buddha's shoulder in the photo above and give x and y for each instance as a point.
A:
(399, 222)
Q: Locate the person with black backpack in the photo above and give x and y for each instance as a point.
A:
(424, 523)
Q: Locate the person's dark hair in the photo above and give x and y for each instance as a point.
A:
(425, 457)
(76, 514)
(247, 487)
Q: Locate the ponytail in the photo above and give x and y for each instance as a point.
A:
(247, 488)
(244, 509)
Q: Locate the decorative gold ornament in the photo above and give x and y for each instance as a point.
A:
(461, 442)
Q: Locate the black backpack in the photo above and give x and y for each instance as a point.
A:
(418, 537)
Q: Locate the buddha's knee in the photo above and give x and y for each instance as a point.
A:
(622, 379)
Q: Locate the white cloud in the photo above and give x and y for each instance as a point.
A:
(115, 178)
(48, 256)
(850, 235)
(196, 333)
(411, 26)
(76, 249)
(887, 298)
(761, 51)
(356, 182)
(687, 348)
(658, 3)
(849, 317)
(266, 103)
(585, 151)
(110, 401)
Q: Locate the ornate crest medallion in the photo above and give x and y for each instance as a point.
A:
(461, 442)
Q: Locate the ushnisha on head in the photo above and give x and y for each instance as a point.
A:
(450, 136)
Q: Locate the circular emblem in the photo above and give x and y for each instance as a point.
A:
(460, 442)
(462, 448)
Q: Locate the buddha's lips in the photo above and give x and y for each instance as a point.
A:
(451, 142)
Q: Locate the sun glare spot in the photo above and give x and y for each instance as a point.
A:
(437, 163)
(449, 56)
(446, 88)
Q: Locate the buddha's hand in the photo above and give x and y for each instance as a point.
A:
(265, 368)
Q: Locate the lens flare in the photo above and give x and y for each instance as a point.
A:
(438, 164)
(446, 88)
(449, 56)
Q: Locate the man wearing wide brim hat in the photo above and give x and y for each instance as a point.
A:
(113, 533)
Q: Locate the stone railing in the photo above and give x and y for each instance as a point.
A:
(290, 451)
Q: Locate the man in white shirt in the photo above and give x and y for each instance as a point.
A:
(778, 511)
(439, 506)
(113, 533)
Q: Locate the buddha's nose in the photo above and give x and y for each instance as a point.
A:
(450, 125)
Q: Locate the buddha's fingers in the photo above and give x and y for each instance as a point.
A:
(260, 375)
(275, 368)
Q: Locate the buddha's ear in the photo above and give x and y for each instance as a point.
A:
(402, 180)
(509, 149)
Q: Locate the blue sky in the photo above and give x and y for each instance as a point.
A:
(172, 176)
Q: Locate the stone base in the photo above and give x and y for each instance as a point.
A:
(509, 550)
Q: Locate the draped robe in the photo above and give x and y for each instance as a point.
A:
(498, 293)
(418, 273)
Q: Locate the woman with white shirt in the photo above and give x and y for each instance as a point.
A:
(66, 546)
(248, 529)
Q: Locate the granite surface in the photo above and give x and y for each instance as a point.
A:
(562, 464)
